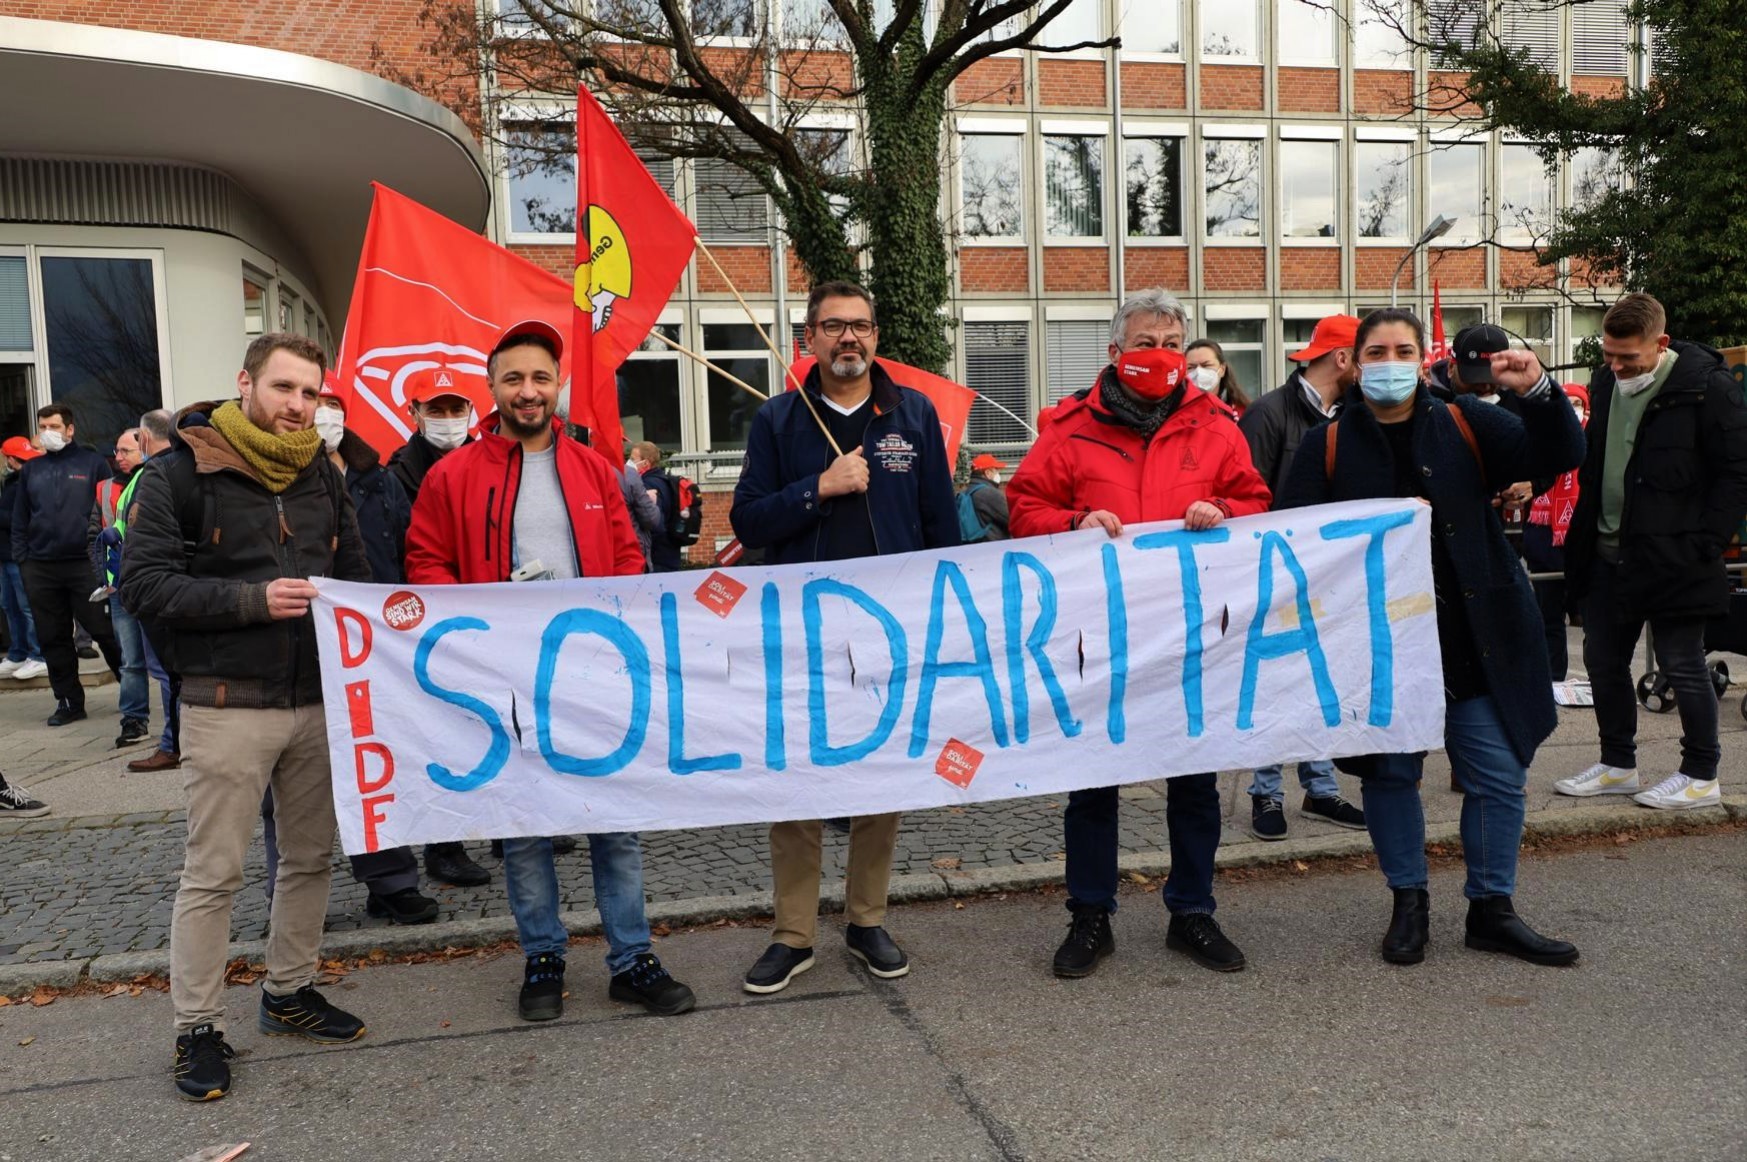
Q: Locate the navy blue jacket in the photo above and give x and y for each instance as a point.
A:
(382, 507)
(53, 506)
(909, 494)
(1502, 613)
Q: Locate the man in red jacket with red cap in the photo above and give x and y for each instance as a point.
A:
(1138, 446)
(526, 502)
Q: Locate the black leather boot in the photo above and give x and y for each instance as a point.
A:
(1494, 926)
(1410, 928)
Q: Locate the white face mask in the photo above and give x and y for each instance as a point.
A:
(446, 434)
(331, 423)
(995, 479)
(1205, 378)
(1636, 383)
(52, 441)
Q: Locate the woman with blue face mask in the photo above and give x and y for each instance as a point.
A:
(1393, 439)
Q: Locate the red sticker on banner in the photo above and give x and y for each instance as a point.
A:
(404, 609)
(720, 593)
(958, 763)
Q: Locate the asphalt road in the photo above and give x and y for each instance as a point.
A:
(1319, 1051)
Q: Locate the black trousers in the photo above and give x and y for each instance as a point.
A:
(1609, 645)
(59, 593)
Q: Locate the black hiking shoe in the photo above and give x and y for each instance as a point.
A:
(1089, 940)
(542, 997)
(648, 984)
(407, 906)
(203, 1071)
(306, 1013)
(1198, 937)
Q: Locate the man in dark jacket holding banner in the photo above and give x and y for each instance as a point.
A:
(851, 465)
(223, 537)
(1660, 496)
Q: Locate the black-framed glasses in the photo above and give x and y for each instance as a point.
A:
(834, 328)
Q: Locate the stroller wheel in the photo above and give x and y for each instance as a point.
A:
(1720, 679)
(1653, 693)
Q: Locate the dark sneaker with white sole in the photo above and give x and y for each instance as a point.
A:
(15, 804)
(307, 1014)
(203, 1071)
(1089, 941)
(779, 965)
(1198, 937)
(542, 995)
(1267, 818)
(876, 949)
(1332, 809)
(648, 984)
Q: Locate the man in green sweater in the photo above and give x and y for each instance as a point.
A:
(1661, 494)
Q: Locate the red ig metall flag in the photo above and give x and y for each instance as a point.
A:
(430, 293)
(632, 245)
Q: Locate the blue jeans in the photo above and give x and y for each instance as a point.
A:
(1192, 817)
(136, 701)
(1493, 804)
(168, 743)
(532, 881)
(1317, 777)
(20, 625)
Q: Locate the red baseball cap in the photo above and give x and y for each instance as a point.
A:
(986, 461)
(538, 327)
(330, 389)
(19, 448)
(1574, 391)
(1331, 334)
(429, 383)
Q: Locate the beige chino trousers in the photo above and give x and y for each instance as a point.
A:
(795, 858)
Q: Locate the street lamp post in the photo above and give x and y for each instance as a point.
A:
(1439, 227)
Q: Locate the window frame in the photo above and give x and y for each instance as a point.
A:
(1227, 131)
(1048, 130)
(992, 127)
(1506, 233)
(1328, 135)
(42, 383)
(1460, 235)
(531, 117)
(1125, 10)
(1363, 136)
(1151, 131)
(1284, 56)
(719, 317)
(1254, 57)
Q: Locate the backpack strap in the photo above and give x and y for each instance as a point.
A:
(1328, 450)
(1468, 438)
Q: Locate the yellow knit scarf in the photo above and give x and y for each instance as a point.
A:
(275, 459)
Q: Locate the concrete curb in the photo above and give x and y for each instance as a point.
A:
(916, 888)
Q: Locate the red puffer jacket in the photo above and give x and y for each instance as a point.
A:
(462, 523)
(1084, 459)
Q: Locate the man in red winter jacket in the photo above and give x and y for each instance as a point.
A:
(1140, 445)
(526, 502)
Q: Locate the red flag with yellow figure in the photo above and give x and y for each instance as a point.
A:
(632, 244)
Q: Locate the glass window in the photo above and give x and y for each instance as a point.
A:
(540, 166)
(1378, 26)
(736, 349)
(809, 20)
(731, 206)
(642, 15)
(287, 310)
(1307, 31)
(1594, 172)
(1383, 185)
(1585, 324)
(724, 18)
(1455, 25)
(1532, 25)
(649, 392)
(1296, 333)
(1073, 181)
(1228, 28)
(1599, 36)
(1533, 325)
(992, 195)
(1079, 22)
(1242, 340)
(1456, 181)
(997, 363)
(1151, 26)
(1234, 187)
(1155, 187)
(1456, 318)
(17, 401)
(254, 307)
(1079, 350)
(14, 306)
(308, 320)
(1525, 195)
(101, 317)
(512, 18)
(832, 152)
(1307, 188)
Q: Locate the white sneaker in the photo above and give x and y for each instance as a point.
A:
(1682, 793)
(10, 667)
(1600, 779)
(32, 669)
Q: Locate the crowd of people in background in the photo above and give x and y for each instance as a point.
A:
(187, 557)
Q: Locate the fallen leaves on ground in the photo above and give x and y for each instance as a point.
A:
(44, 995)
(948, 863)
(25, 1042)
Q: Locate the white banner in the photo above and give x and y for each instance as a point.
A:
(884, 684)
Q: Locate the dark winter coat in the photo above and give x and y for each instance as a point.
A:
(8, 502)
(1686, 491)
(909, 496)
(53, 507)
(1503, 617)
(204, 540)
(411, 461)
(990, 505)
(664, 555)
(1274, 426)
(382, 507)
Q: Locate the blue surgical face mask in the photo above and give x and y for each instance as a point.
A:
(1391, 382)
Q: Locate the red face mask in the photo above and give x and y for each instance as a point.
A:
(1151, 372)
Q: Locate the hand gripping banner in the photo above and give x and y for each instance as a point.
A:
(992, 671)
